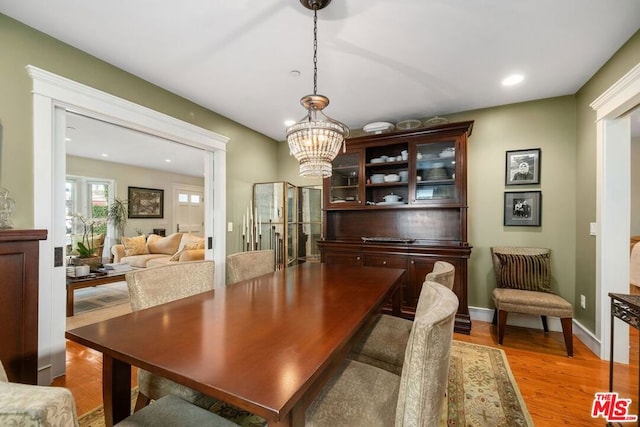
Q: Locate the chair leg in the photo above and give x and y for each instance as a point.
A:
(141, 402)
(544, 324)
(567, 331)
(495, 316)
(502, 323)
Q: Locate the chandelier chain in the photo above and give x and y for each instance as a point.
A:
(315, 51)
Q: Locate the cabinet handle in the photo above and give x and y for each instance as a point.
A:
(384, 262)
(358, 258)
(413, 262)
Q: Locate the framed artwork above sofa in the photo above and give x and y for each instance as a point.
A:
(146, 203)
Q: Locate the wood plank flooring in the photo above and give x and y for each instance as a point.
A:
(558, 390)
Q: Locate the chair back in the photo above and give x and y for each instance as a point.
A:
(443, 273)
(153, 286)
(424, 378)
(247, 265)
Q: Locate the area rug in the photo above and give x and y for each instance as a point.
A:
(481, 392)
(99, 297)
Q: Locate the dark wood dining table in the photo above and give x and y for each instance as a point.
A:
(266, 345)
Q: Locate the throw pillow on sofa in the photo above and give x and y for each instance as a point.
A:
(164, 245)
(135, 245)
(187, 247)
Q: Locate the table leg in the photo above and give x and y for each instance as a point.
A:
(116, 390)
(69, 300)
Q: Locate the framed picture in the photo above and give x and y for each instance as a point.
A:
(523, 167)
(523, 208)
(146, 203)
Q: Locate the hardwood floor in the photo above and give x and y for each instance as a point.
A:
(558, 390)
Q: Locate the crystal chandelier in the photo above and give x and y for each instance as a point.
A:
(316, 139)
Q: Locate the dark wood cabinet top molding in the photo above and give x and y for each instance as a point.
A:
(13, 235)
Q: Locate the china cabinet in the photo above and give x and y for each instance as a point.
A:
(399, 200)
(288, 219)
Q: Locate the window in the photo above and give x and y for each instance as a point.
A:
(88, 197)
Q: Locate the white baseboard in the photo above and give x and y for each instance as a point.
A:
(534, 322)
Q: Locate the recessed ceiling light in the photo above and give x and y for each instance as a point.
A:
(294, 73)
(288, 123)
(513, 79)
(68, 139)
(104, 155)
(167, 160)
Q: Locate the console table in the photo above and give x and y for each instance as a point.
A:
(627, 308)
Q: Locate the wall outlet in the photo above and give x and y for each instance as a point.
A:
(229, 226)
(583, 301)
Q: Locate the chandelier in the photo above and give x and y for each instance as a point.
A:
(315, 140)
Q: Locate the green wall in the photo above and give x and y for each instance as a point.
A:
(251, 156)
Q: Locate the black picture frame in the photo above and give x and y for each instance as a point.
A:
(522, 167)
(523, 208)
(145, 203)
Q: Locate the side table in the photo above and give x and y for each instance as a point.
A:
(625, 307)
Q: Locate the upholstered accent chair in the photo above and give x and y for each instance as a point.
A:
(33, 405)
(523, 276)
(364, 395)
(247, 265)
(153, 286)
(384, 342)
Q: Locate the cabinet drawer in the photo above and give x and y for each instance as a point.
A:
(389, 261)
(346, 257)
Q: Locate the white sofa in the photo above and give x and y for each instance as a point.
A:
(154, 250)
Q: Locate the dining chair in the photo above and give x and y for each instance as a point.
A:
(153, 286)
(34, 405)
(250, 264)
(384, 342)
(364, 395)
(523, 278)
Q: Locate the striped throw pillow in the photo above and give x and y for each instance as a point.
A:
(526, 272)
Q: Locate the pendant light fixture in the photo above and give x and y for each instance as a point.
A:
(316, 139)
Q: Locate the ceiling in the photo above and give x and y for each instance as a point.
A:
(378, 60)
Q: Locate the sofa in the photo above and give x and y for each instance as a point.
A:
(154, 250)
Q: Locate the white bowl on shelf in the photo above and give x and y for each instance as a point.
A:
(392, 198)
(377, 178)
(392, 177)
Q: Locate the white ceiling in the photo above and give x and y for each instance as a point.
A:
(378, 60)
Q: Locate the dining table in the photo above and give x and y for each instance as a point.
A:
(266, 345)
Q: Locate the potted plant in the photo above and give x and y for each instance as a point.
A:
(117, 216)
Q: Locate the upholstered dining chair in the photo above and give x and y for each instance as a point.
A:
(384, 342)
(250, 264)
(364, 395)
(523, 276)
(33, 405)
(153, 286)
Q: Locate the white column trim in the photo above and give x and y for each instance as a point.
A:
(50, 91)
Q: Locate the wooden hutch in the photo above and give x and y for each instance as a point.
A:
(365, 224)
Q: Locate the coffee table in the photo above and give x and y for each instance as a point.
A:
(96, 279)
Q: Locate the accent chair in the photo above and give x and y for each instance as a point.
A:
(364, 395)
(247, 265)
(384, 342)
(523, 276)
(153, 286)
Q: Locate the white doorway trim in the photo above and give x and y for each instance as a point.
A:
(52, 93)
(613, 138)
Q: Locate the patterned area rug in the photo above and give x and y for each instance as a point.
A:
(481, 392)
(99, 297)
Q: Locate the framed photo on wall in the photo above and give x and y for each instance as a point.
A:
(523, 208)
(523, 167)
(146, 203)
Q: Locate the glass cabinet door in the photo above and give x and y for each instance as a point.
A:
(345, 179)
(436, 171)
